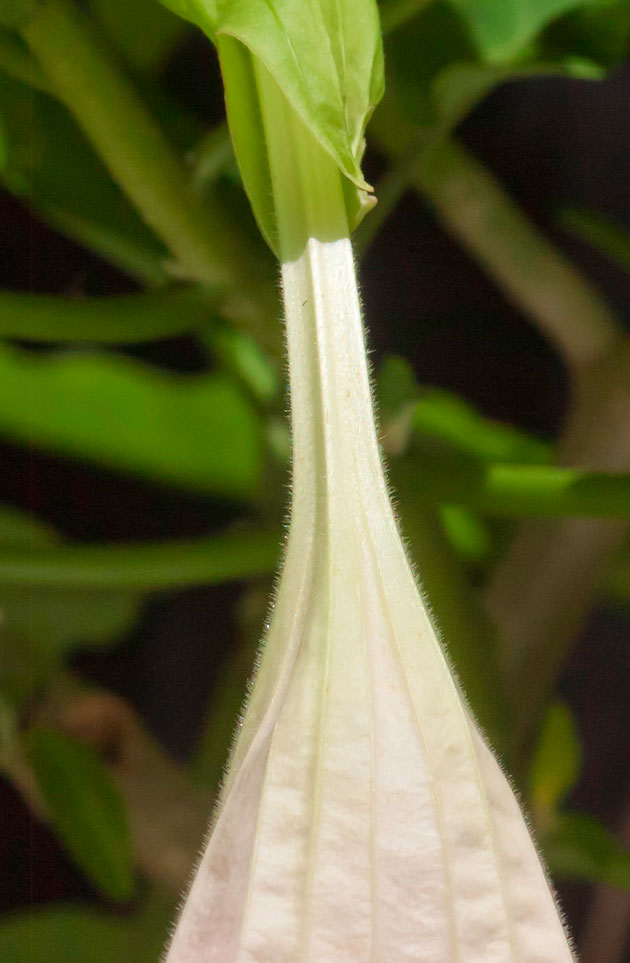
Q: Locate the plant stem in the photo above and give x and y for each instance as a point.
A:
(203, 238)
(542, 590)
(527, 267)
(529, 270)
(146, 567)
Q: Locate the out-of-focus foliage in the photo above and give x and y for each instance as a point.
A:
(85, 807)
(68, 388)
(124, 415)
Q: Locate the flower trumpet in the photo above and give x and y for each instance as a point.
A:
(363, 818)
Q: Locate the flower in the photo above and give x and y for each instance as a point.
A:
(363, 818)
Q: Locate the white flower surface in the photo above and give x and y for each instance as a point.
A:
(363, 820)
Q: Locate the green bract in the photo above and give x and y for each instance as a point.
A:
(325, 56)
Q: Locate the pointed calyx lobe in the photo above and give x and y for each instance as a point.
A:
(325, 55)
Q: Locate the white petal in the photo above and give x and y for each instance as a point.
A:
(364, 819)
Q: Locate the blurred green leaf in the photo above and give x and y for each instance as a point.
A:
(195, 431)
(19, 528)
(438, 415)
(502, 29)
(213, 157)
(450, 475)
(63, 935)
(149, 566)
(14, 13)
(40, 625)
(445, 416)
(50, 623)
(616, 585)
(74, 934)
(600, 232)
(466, 532)
(556, 761)
(51, 167)
(434, 41)
(16, 61)
(119, 319)
(439, 75)
(396, 387)
(85, 808)
(578, 847)
(241, 355)
(143, 30)
(395, 13)
(597, 32)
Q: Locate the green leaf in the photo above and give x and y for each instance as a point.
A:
(502, 29)
(466, 533)
(86, 809)
(51, 623)
(16, 61)
(52, 168)
(436, 40)
(395, 13)
(600, 232)
(149, 566)
(41, 625)
(449, 474)
(616, 586)
(439, 75)
(15, 13)
(244, 358)
(74, 934)
(444, 416)
(195, 431)
(120, 319)
(578, 847)
(63, 935)
(557, 759)
(326, 57)
(144, 32)
(396, 387)
(596, 32)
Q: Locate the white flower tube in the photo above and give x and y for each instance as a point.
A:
(363, 819)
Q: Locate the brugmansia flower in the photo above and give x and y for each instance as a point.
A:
(363, 818)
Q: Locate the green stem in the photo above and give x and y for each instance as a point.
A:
(526, 266)
(145, 567)
(203, 238)
(529, 270)
(121, 319)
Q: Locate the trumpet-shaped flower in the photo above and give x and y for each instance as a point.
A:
(363, 818)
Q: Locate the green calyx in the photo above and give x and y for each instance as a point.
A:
(326, 57)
